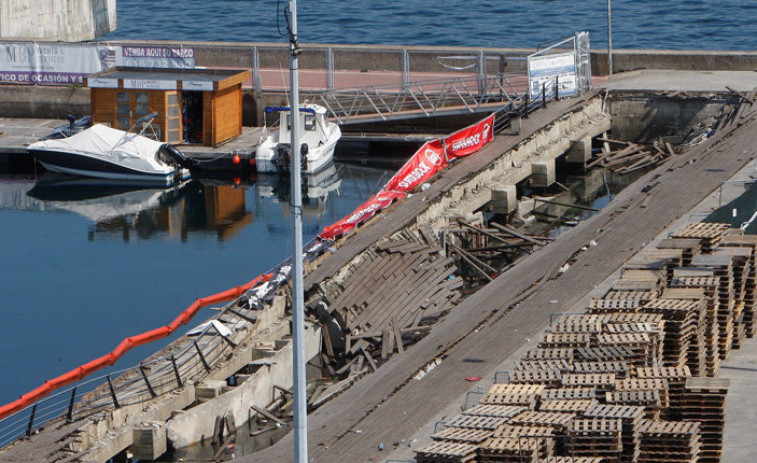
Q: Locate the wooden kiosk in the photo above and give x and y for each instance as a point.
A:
(194, 106)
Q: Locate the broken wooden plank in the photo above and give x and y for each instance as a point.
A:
(368, 357)
(264, 413)
(398, 336)
(387, 346)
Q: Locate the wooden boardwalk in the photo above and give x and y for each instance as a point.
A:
(388, 406)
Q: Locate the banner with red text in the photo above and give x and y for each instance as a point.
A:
(426, 162)
(365, 211)
(470, 139)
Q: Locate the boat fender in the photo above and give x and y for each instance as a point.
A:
(281, 158)
(304, 150)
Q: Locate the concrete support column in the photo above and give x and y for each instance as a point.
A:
(544, 173)
(504, 199)
(149, 441)
(579, 152)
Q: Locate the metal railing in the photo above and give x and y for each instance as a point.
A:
(191, 358)
(458, 95)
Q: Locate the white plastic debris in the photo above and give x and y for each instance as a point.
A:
(425, 186)
(592, 243)
(564, 268)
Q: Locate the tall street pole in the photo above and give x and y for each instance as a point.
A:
(298, 296)
(609, 37)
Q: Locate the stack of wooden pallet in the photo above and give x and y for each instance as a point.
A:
(681, 324)
(689, 247)
(619, 377)
(750, 278)
(722, 269)
(703, 356)
(675, 377)
(595, 437)
(708, 234)
(649, 399)
(630, 418)
(704, 403)
(447, 452)
(668, 441)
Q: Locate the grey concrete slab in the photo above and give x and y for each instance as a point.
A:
(681, 81)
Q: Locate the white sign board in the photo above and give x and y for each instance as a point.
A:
(545, 71)
(197, 85)
(101, 82)
(150, 84)
(156, 57)
(53, 63)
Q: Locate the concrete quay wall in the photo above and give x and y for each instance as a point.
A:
(56, 102)
(56, 20)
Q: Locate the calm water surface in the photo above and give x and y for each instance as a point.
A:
(671, 24)
(86, 266)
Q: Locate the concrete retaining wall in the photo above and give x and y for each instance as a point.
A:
(193, 425)
(685, 60)
(54, 20)
(43, 102)
(644, 117)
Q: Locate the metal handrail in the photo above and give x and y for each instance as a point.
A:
(427, 97)
(130, 386)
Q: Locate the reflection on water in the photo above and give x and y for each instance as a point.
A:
(133, 212)
(87, 264)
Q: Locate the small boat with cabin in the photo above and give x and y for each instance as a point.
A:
(318, 136)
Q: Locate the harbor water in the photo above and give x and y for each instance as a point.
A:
(86, 266)
(673, 24)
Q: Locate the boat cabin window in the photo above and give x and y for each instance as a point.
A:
(309, 122)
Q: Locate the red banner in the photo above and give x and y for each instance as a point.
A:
(427, 161)
(470, 139)
(365, 211)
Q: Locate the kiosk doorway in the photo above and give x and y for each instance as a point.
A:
(192, 113)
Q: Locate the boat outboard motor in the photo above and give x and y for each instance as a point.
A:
(71, 121)
(281, 158)
(169, 154)
(304, 150)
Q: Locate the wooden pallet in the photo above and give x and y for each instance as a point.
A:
(618, 368)
(524, 400)
(492, 410)
(446, 452)
(577, 406)
(471, 436)
(577, 393)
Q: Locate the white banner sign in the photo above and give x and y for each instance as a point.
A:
(101, 82)
(150, 84)
(545, 71)
(156, 57)
(53, 64)
(69, 63)
(197, 85)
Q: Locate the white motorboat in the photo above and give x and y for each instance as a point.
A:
(104, 152)
(318, 137)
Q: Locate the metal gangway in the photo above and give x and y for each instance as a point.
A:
(445, 97)
(465, 84)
